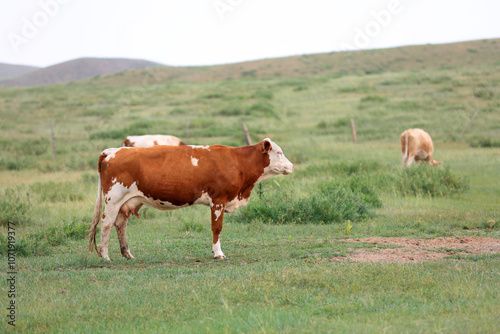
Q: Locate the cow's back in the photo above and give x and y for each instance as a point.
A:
(422, 141)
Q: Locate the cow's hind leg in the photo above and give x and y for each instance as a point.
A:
(107, 225)
(121, 230)
(405, 161)
(409, 160)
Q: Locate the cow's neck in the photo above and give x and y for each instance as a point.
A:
(253, 163)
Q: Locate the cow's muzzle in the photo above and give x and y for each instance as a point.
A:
(288, 170)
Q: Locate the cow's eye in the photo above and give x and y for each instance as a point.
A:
(280, 153)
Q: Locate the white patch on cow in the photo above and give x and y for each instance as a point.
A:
(218, 211)
(217, 214)
(116, 191)
(217, 250)
(194, 161)
(110, 153)
(204, 200)
(205, 147)
(235, 204)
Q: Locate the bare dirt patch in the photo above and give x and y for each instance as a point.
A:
(419, 250)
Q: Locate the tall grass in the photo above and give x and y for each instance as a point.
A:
(430, 181)
(16, 206)
(326, 203)
(42, 243)
(57, 191)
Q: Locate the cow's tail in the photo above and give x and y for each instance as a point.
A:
(404, 141)
(97, 216)
(406, 144)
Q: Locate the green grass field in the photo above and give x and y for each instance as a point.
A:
(280, 275)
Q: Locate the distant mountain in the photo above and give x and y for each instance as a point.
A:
(77, 69)
(8, 71)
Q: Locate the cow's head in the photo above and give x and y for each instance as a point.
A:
(278, 163)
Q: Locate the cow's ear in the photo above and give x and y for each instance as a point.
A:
(267, 146)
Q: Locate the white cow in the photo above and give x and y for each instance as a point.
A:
(416, 145)
(151, 140)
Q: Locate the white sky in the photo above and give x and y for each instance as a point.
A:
(204, 32)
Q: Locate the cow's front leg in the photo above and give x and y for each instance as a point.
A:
(217, 217)
(121, 230)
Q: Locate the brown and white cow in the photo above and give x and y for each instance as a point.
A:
(151, 140)
(416, 145)
(173, 177)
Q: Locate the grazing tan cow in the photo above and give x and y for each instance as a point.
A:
(173, 177)
(416, 145)
(151, 140)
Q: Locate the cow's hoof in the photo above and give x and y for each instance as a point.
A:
(220, 257)
(128, 255)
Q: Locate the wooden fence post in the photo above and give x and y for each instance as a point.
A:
(353, 129)
(247, 135)
(468, 123)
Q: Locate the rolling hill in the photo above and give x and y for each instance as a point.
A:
(118, 72)
(77, 69)
(8, 71)
(417, 57)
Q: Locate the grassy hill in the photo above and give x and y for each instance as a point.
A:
(75, 70)
(336, 63)
(290, 265)
(8, 71)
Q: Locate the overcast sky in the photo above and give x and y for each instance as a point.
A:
(204, 32)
